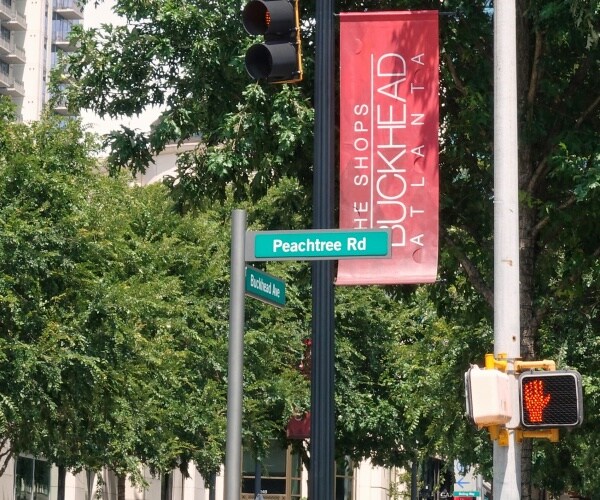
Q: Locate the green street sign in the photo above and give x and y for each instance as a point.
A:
(265, 287)
(318, 244)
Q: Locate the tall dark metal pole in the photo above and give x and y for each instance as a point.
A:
(322, 458)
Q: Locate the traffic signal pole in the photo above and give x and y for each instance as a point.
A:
(507, 335)
(322, 458)
(233, 455)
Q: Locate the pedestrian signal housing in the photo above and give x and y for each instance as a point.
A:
(550, 399)
(279, 58)
(488, 396)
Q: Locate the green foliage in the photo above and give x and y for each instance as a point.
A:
(256, 143)
(114, 318)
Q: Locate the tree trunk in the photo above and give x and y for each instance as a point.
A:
(526, 85)
(62, 476)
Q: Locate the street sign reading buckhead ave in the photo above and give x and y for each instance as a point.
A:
(264, 286)
(318, 244)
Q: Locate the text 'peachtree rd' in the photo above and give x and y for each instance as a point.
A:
(318, 244)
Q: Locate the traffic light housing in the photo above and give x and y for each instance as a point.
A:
(550, 399)
(279, 58)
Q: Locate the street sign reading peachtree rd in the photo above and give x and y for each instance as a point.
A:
(264, 286)
(318, 244)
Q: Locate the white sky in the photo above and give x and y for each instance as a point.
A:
(93, 18)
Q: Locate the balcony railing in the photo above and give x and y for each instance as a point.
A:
(10, 17)
(17, 23)
(9, 52)
(69, 9)
(18, 88)
(9, 85)
(6, 10)
(61, 40)
(6, 79)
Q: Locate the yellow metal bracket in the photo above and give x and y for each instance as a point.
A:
(551, 435)
(501, 364)
(496, 364)
(298, 45)
(544, 364)
(500, 434)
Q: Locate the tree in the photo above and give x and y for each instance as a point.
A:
(254, 135)
(114, 317)
(558, 174)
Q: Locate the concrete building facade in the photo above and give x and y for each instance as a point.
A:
(32, 35)
(29, 478)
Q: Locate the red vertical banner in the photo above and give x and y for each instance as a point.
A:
(389, 121)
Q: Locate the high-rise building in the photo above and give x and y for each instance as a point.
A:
(32, 34)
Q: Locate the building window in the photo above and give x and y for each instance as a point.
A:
(344, 479)
(166, 487)
(32, 479)
(5, 34)
(61, 27)
(280, 474)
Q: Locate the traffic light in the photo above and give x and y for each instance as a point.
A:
(550, 399)
(279, 58)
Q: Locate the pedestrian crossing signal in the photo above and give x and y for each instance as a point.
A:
(550, 399)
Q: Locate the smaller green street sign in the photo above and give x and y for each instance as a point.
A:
(463, 494)
(264, 286)
(318, 244)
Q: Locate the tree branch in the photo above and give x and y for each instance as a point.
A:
(543, 222)
(550, 143)
(537, 174)
(455, 78)
(533, 80)
(587, 112)
(473, 273)
(6, 453)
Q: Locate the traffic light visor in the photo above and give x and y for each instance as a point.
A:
(271, 61)
(263, 17)
(550, 399)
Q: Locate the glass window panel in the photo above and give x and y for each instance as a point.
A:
(274, 464)
(248, 463)
(296, 464)
(32, 479)
(42, 480)
(24, 478)
(166, 487)
(343, 488)
(89, 477)
(248, 485)
(344, 480)
(295, 487)
(272, 486)
(273, 480)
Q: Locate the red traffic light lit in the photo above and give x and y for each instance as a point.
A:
(263, 17)
(550, 399)
(278, 59)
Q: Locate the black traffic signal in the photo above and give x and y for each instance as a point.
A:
(279, 58)
(550, 399)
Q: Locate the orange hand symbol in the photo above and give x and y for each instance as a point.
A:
(534, 399)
